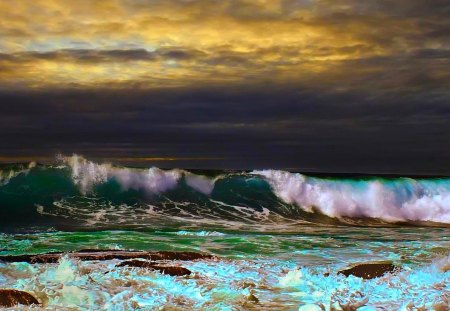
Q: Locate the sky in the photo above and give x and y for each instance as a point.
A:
(304, 85)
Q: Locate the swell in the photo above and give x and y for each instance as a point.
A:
(78, 192)
(392, 200)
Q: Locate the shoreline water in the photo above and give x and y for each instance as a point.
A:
(285, 271)
(279, 238)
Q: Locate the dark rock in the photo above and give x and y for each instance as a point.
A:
(252, 298)
(12, 297)
(170, 270)
(136, 263)
(179, 256)
(369, 270)
(96, 254)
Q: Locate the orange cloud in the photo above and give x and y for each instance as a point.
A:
(154, 44)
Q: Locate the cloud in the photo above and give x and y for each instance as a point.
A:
(152, 44)
(100, 56)
(324, 81)
(247, 127)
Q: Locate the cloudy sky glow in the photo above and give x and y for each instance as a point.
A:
(342, 85)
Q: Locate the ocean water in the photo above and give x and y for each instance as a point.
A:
(279, 238)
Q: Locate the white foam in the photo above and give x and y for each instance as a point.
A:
(398, 200)
(65, 271)
(225, 284)
(423, 286)
(200, 183)
(6, 176)
(87, 174)
(200, 233)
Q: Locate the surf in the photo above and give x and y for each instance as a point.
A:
(77, 192)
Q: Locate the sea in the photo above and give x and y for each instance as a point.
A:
(278, 238)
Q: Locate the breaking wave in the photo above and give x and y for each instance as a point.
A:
(79, 192)
(394, 200)
(87, 174)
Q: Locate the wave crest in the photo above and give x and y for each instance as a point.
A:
(87, 174)
(7, 174)
(401, 199)
(81, 191)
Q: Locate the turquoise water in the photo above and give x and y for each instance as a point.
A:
(279, 238)
(284, 271)
(318, 245)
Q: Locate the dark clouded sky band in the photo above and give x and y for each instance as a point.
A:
(326, 85)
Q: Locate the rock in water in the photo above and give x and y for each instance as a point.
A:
(252, 298)
(98, 254)
(170, 270)
(12, 297)
(136, 263)
(369, 270)
(173, 271)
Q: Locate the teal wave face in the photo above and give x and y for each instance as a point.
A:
(79, 193)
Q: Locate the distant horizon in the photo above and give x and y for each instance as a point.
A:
(201, 164)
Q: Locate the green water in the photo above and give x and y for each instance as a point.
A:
(318, 244)
(279, 238)
(284, 271)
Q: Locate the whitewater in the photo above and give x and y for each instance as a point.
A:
(278, 238)
(90, 192)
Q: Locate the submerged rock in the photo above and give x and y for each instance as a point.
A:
(136, 263)
(173, 271)
(441, 306)
(252, 298)
(97, 254)
(369, 270)
(170, 270)
(12, 297)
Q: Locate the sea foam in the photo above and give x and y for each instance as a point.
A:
(401, 199)
(86, 174)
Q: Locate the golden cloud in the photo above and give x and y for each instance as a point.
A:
(153, 44)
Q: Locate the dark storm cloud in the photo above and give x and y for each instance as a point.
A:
(280, 127)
